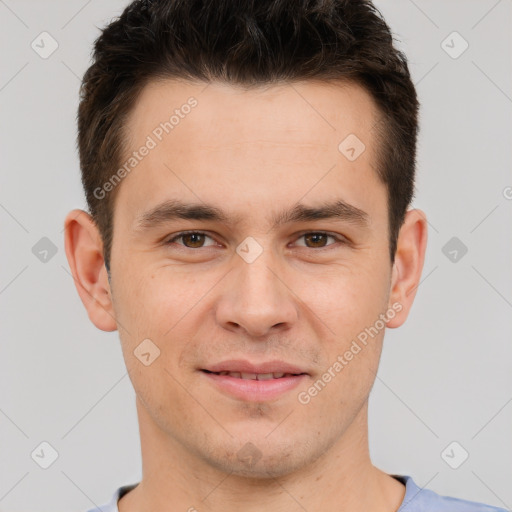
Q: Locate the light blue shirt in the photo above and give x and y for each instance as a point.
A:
(416, 499)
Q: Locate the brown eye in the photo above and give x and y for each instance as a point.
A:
(318, 240)
(191, 240)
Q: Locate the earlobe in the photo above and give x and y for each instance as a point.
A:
(84, 251)
(408, 265)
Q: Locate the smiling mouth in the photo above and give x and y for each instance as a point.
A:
(255, 376)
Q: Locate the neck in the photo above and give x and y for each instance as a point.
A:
(342, 479)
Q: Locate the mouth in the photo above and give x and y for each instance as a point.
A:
(254, 382)
(255, 376)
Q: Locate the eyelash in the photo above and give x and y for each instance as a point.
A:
(184, 233)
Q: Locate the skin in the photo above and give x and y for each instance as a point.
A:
(251, 153)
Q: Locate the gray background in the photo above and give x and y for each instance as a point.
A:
(445, 375)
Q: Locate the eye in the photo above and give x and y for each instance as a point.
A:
(318, 239)
(196, 239)
(191, 239)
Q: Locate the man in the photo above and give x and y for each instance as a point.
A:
(248, 167)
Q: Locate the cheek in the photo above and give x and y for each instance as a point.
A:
(168, 308)
(152, 300)
(349, 299)
(153, 309)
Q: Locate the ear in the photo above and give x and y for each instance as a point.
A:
(408, 265)
(84, 251)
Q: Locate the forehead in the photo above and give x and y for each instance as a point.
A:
(305, 111)
(250, 147)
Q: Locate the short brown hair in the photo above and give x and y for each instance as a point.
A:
(245, 43)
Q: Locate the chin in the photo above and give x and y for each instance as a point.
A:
(260, 457)
(265, 468)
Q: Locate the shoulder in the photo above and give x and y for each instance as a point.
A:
(418, 499)
(111, 506)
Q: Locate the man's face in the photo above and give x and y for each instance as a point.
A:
(297, 306)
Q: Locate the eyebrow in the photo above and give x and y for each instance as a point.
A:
(173, 209)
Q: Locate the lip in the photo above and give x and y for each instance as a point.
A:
(254, 390)
(240, 365)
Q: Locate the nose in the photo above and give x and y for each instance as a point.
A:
(255, 297)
